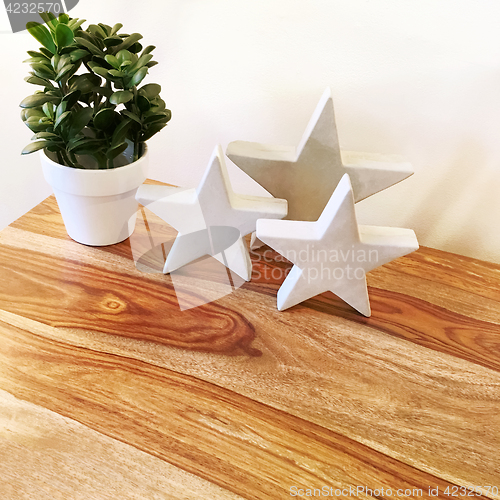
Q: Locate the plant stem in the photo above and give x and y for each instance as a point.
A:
(136, 149)
(136, 138)
(108, 86)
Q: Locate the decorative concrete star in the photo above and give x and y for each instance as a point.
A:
(211, 219)
(306, 176)
(333, 253)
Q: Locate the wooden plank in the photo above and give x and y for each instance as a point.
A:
(396, 314)
(401, 399)
(398, 308)
(428, 403)
(462, 285)
(477, 277)
(96, 298)
(47, 456)
(244, 446)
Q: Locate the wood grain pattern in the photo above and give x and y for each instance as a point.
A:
(399, 309)
(94, 298)
(64, 459)
(240, 444)
(245, 397)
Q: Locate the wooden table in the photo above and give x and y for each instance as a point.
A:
(109, 391)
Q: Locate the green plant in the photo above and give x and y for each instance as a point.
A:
(99, 111)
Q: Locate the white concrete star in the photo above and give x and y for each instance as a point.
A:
(211, 219)
(306, 176)
(333, 253)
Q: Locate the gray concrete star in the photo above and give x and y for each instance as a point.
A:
(306, 176)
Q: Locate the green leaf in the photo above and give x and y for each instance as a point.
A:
(143, 103)
(123, 55)
(142, 61)
(45, 135)
(161, 117)
(121, 97)
(100, 71)
(32, 112)
(132, 116)
(88, 45)
(158, 105)
(64, 35)
(152, 130)
(135, 48)
(72, 98)
(85, 83)
(118, 150)
(78, 54)
(36, 80)
(80, 120)
(117, 27)
(55, 60)
(36, 125)
(148, 49)
(105, 91)
(33, 53)
(31, 60)
(61, 118)
(77, 144)
(35, 100)
(116, 73)
(99, 61)
(112, 41)
(130, 40)
(75, 24)
(139, 76)
(61, 108)
(106, 28)
(50, 20)
(46, 52)
(94, 40)
(151, 90)
(34, 146)
(104, 118)
(150, 64)
(97, 31)
(41, 34)
(63, 18)
(67, 50)
(64, 71)
(43, 70)
(110, 59)
(53, 147)
(88, 149)
(63, 61)
(48, 109)
(120, 133)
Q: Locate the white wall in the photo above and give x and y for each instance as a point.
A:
(419, 78)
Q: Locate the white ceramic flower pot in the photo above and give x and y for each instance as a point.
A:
(98, 206)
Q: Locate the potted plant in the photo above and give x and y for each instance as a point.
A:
(91, 121)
